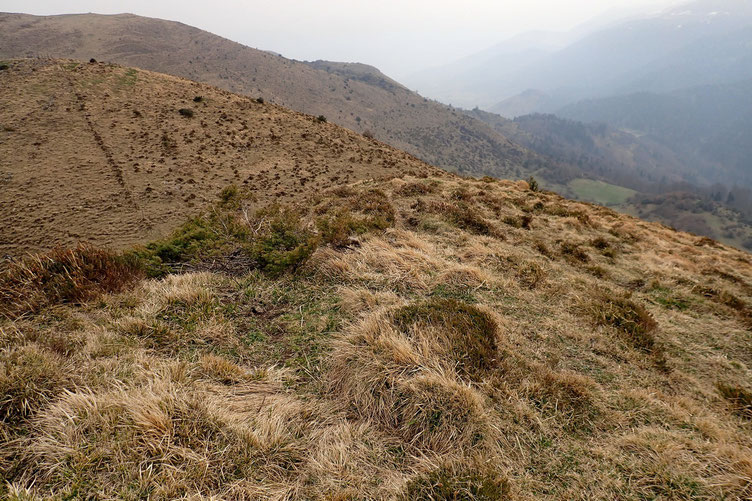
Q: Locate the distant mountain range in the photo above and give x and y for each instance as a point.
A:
(698, 43)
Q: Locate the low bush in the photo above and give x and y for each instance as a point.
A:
(283, 244)
(186, 112)
(272, 239)
(64, 276)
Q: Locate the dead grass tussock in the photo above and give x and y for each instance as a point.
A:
(63, 276)
(404, 383)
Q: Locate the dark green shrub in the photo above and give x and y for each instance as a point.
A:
(4, 67)
(186, 112)
(198, 99)
(321, 119)
(533, 183)
(260, 100)
(283, 244)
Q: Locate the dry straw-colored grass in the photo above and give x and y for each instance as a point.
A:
(419, 359)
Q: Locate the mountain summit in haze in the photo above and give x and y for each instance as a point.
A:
(354, 96)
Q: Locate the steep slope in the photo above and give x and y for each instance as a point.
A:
(489, 343)
(103, 153)
(429, 130)
(707, 124)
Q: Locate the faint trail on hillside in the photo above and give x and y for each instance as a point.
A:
(117, 171)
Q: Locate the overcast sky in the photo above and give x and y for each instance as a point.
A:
(398, 36)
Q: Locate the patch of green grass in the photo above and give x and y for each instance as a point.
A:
(128, 79)
(669, 299)
(600, 192)
(451, 484)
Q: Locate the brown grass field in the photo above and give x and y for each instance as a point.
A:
(101, 153)
(355, 96)
(432, 338)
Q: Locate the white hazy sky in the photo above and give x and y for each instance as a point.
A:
(398, 36)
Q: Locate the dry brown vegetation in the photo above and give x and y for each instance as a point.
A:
(102, 153)
(417, 358)
(355, 96)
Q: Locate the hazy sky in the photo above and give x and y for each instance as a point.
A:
(398, 36)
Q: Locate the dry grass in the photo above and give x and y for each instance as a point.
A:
(63, 276)
(421, 360)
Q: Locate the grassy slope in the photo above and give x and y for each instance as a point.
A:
(101, 153)
(493, 343)
(600, 192)
(432, 131)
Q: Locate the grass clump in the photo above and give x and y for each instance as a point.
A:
(415, 188)
(64, 276)
(30, 376)
(466, 217)
(739, 397)
(519, 221)
(358, 212)
(454, 484)
(466, 332)
(98, 446)
(574, 252)
(629, 318)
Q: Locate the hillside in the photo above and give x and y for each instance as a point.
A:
(633, 172)
(350, 95)
(707, 124)
(412, 339)
(102, 153)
